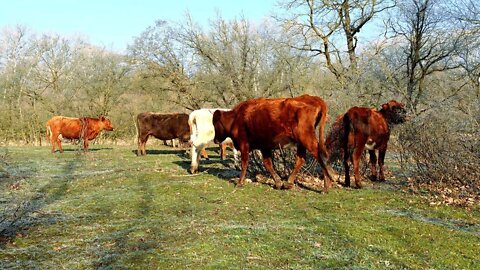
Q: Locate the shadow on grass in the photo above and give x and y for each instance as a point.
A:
(178, 152)
(27, 213)
(80, 150)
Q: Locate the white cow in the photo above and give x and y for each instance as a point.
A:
(203, 132)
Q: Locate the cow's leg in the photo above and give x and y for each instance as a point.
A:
(235, 156)
(143, 142)
(223, 150)
(373, 165)
(85, 145)
(244, 148)
(299, 160)
(204, 152)
(59, 143)
(195, 157)
(356, 157)
(381, 160)
(267, 162)
(53, 141)
(346, 157)
(310, 142)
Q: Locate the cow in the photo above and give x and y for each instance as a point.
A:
(364, 128)
(161, 126)
(267, 124)
(203, 132)
(86, 128)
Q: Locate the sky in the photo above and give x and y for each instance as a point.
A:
(114, 24)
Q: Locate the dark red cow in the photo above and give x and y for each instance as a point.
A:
(85, 128)
(266, 124)
(361, 128)
(161, 126)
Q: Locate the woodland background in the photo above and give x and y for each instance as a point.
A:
(424, 53)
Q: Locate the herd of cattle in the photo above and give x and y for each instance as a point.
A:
(262, 124)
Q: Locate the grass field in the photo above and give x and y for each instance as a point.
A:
(109, 209)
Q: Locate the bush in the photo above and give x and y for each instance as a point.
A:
(441, 150)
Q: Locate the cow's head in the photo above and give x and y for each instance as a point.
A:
(221, 132)
(395, 112)
(107, 125)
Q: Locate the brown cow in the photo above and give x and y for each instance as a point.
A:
(361, 128)
(85, 128)
(267, 124)
(161, 126)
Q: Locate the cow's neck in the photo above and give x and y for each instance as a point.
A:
(227, 120)
(388, 117)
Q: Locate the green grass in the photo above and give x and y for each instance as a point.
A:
(109, 209)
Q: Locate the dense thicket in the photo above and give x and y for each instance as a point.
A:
(426, 54)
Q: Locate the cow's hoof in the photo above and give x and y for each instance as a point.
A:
(193, 171)
(278, 185)
(288, 185)
(239, 185)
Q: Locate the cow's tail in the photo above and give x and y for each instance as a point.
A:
(322, 151)
(321, 121)
(49, 133)
(137, 131)
(334, 140)
(347, 128)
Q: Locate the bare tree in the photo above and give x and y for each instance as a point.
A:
(431, 43)
(467, 14)
(162, 63)
(16, 63)
(317, 26)
(228, 63)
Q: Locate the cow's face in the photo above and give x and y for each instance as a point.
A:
(220, 131)
(107, 124)
(395, 111)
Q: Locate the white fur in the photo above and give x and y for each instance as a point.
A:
(202, 132)
(370, 145)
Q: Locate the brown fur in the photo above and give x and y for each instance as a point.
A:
(360, 126)
(267, 124)
(85, 128)
(162, 127)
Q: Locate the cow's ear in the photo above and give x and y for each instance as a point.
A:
(385, 106)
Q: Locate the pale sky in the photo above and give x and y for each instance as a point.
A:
(114, 23)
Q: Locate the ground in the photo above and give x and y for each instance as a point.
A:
(109, 209)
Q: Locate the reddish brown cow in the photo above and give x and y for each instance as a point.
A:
(362, 128)
(266, 124)
(85, 128)
(162, 127)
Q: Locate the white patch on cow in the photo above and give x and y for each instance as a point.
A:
(370, 144)
(202, 132)
(289, 145)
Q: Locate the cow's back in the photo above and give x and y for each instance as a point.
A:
(367, 121)
(273, 122)
(68, 127)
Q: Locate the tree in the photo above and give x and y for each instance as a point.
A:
(467, 15)
(161, 62)
(219, 67)
(316, 25)
(16, 64)
(424, 26)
